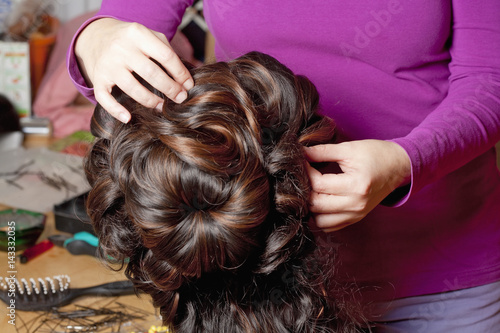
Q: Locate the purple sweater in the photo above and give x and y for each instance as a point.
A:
(425, 74)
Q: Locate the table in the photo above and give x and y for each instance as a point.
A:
(84, 271)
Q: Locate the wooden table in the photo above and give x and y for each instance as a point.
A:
(83, 270)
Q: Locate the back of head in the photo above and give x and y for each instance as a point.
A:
(9, 119)
(208, 199)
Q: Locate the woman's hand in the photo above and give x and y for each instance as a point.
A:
(109, 50)
(372, 169)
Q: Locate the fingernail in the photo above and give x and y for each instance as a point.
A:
(188, 84)
(123, 117)
(181, 97)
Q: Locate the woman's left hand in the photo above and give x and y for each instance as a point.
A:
(372, 169)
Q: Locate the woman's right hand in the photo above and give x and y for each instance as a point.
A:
(109, 50)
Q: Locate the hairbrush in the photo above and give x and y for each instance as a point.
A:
(45, 294)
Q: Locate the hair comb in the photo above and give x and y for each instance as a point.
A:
(44, 294)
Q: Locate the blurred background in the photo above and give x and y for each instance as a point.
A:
(34, 39)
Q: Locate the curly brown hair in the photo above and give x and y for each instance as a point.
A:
(208, 201)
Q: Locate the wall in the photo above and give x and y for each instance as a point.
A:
(65, 10)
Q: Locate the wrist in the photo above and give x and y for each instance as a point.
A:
(403, 165)
(83, 46)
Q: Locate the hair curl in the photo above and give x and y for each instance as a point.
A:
(207, 201)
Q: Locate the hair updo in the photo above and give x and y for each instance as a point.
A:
(207, 200)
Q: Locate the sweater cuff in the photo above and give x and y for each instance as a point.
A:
(402, 194)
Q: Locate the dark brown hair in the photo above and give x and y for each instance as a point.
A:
(207, 201)
(9, 119)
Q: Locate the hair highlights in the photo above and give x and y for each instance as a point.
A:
(208, 200)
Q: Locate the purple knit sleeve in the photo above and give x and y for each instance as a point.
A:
(467, 122)
(162, 16)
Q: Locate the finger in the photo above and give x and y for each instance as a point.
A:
(324, 153)
(129, 85)
(327, 203)
(329, 183)
(313, 174)
(334, 222)
(334, 229)
(154, 45)
(166, 56)
(157, 77)
(108, 102)
(317, 179)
